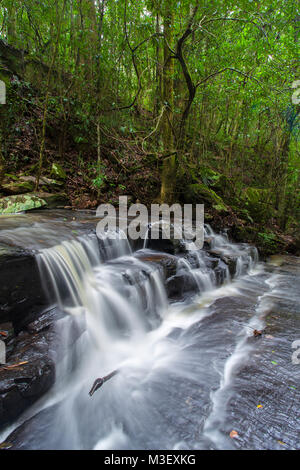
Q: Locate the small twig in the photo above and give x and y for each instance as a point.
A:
(99, 382)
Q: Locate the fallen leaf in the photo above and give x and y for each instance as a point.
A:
(257, 332)
(233, 434)
(281, 443)
(259, 406)
(275, 363)
(3, 333)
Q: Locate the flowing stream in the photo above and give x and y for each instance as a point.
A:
(190, 370)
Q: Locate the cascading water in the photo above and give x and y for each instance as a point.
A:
(204, 278)
(245, 256)
(168, 393)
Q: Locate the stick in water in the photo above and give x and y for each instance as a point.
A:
(99, 382)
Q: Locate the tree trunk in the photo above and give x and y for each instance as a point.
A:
(12, 24)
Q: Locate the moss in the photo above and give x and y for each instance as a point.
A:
(208, 176)
(12, 177)
(18, 188)
(20, 203)
(54, 200)
(269, 242)
(199, 194)
(4, 77)
(242, 214)
(255, 201)
(58, 171)
(245, 233)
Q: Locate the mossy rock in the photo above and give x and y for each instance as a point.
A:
(54, 200)
(255, 201)
(4, 76)
(242, 214)
(269, 243)
(201, 194)
(245, 233)
(49, 184)
(58, 171)
(20, 203)
(213, 179)
(18, 187)
(208, 176)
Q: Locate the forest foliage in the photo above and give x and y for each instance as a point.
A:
(189, 98)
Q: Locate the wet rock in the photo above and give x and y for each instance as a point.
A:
(230, 261)
(168, 263)
(37, 350)
(45, 320)
(21, 294)
(23, 385)
(42, 424)
(179, 284)
(170, 246)
(221, 272)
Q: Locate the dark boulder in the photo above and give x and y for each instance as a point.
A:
(180, 284)
(22, 385)
(22, 297)
(30, 370)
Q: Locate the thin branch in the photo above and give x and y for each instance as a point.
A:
(243, 20)
(134, 62)
(224, 70)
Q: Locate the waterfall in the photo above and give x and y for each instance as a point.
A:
(159, 347)
(113, 244)
(122, 297)
(245, 256)
(204, 278)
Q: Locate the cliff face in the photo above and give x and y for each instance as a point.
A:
(18, 62)
(12, 61)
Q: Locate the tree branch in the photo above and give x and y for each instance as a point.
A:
(243, 20)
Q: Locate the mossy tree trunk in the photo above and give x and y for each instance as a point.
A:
(2, 160)
(12, 24)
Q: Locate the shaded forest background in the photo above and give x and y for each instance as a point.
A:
(172, 101)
